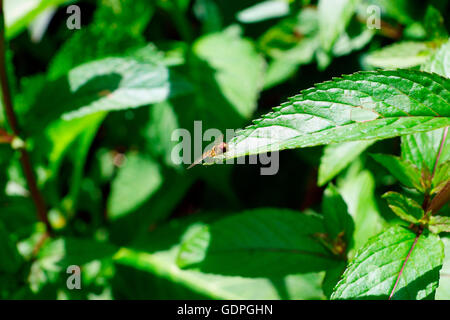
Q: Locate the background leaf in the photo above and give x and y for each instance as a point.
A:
(239, 245)
(336, 157)
(136, 181)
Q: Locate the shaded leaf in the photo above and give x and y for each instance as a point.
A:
(334, 15)
(337, 157)
(357, 187)
(106, 35)
(10, 259)
(401, 169)
(337, 221)
(156, 257)
(238, 68)
(281, 240)
(104, 85)
(135, 182)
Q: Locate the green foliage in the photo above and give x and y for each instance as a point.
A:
(395, 255)
(338, 156)
(136, 181)
(404, 102)
(407, 209)
(362, 212)
(285, 242)
(406, 173)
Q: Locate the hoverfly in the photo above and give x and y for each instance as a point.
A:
(216, 150)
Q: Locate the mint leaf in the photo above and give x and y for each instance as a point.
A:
(19, 15)
(158, 259)
(440, 62)
(441, 176)
(401, 55)
(334, 15)
(238, 68)
(11, 259)
(443, 291)
(404, 171)
(336, 157)
(404, 207)
(285, 242)
(438, 224)
(362, 106)
(264, 10)
(357, 187)
(422, 149)
(397, 264)
(337, 221)
(104, 85)
(135, 182)
(290, 43)
(106, 35)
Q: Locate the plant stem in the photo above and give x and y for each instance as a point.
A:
(12, 121)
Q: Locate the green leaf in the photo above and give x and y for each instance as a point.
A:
(334, 15)
(403, 170)
(20, 13)
(403, 11)
(290, 43)
(438, 224)
(440, 62)
(227, 74)
(293, 39)
(106, 35)
(104, 85)
(278, 71)
(396, 254)
(209, 14)
(17, 215)
(136, 181)
(285, 242)
(336, 157)
(422, 149)
(10, 260)
(337, 221)
(404, 207)
(158, 132)
(264, 10)
(362, 106)
(434, 24)
(152, 255)
(441, 176)
(443, 291)
(401, 55)
(157, 209)
(238, 68)
(332, 277)
(58, 254)
(357, 187)
(354, 38)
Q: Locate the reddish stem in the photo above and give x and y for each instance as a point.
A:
(12, 121)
